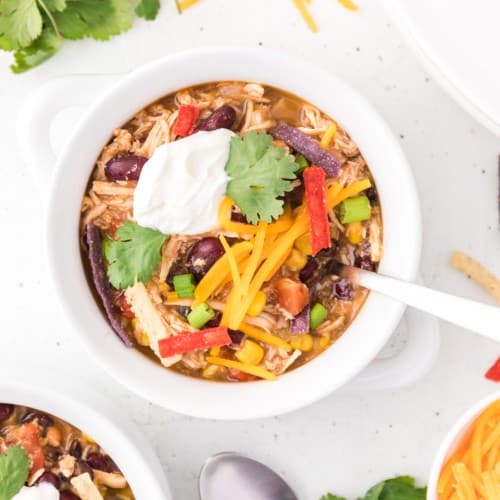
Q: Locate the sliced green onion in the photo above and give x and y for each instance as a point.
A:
(318, 314)
(184, 285)
(301, 161)
(200, 315)
(355, 209)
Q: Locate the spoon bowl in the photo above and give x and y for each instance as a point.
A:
(229, 475)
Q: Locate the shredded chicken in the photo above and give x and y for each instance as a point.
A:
(67, 465)
(151, 320)
(278, 360)
(110, 479)
(85, 488)
(375, 236)
(121, 143)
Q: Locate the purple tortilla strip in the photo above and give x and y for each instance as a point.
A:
(300, 324)
(101, 282)
(307, 147)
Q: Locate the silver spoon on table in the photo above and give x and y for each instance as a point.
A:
(229, 475)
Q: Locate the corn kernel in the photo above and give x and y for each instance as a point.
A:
(303, 343)
(213, 371)
(258, 304)
(355, 232)
(296, 261)
(250, 352)
(163, 287)
(303, 243)
(215, 351)
(323, 342)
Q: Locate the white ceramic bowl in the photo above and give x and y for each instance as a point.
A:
(379, 316)
(126, 446)
(452, 440)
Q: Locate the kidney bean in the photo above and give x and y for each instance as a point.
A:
(101, 462)
(343, 290)
(51, 478)
(306, 274)
(222, 117)
(124, 168)
(364, 262)
(203, 255)
(75, 448)
(67, 495)
(236, 336)
(6, 411)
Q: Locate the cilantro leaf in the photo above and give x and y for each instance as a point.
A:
(14, 469)
(134, 255)
(44, 47)
(398, 488)
(148, 9)
(260, 173)
(99, 19)
(54, 5)
(20, 23)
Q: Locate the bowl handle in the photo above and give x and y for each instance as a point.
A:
(419, 335)
(40, 131)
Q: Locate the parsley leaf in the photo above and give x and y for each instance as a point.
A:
(260, 172)
(14, 469)
(44, 47)
(398, 488)
(20, 23)
(134, 255)
(148, 9)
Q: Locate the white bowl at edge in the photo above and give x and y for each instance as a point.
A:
(452, 440)
(327, 372)
(103, 423)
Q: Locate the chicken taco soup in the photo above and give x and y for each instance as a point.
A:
(215, 223)
(47, 458)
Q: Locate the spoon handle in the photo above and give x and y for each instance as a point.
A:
(480, 318)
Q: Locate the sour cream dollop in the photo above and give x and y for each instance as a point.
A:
(42, 491)
(182, 184)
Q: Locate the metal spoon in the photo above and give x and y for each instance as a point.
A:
(476, 317)
(229, 475)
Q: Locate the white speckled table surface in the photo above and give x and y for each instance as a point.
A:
(346, 442)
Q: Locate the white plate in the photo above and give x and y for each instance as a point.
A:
(458, 43)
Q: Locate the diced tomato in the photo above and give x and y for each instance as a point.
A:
(234, 374)
(292, 295)
(125, 308)
(193, 341)
(314, 183)
(28, 437)
(186, 120)
(493, 373)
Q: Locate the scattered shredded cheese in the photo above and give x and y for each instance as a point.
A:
(185, 4)
(348, 4)
(304, 12)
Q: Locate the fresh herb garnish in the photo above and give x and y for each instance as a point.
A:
(14, 469)
(260, 173)
(399, 488)
(134, 255)
(34, 29)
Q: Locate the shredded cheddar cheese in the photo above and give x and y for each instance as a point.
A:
(473, 471)
(242, 367)
(329, 135)
(348, 4)
(304, 12)
(185, 4)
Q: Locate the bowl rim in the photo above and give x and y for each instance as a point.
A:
(451, 439)
(97, 418)
(272, 68)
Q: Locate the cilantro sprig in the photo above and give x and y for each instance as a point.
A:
(34, 29)
(398, 488)
(260, 173)
(14, 469)
(134, 254)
